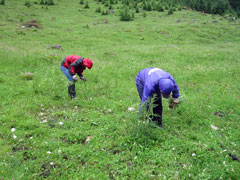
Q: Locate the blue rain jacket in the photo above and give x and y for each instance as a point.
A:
(152, 80)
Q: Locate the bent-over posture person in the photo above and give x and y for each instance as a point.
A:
(152, 81)
(72, 65)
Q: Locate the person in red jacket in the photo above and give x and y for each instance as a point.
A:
(72, 66)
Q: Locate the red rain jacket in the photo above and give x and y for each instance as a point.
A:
(76, 64)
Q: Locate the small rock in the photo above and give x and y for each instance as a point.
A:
(219, 114)
(60, 123)
(131, 108)
(214, 21)
(59, 47)
(179, 20)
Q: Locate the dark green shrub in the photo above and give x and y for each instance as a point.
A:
(144, 14)
(98, 10)
(170, 11)
(81, 2)
(27, 3)
(50, 3)
(42, 2)
(125, 14)
(2, 2)
(104, 12)
(110, 7)
(147, 6)
(137, 9)
(86, 5)
(159, 7)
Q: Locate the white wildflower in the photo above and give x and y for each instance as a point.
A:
(193, 154)
(214, 127)
(14, 137)
(60, 123)
(13, 129)
(49, 152)
(44, 121)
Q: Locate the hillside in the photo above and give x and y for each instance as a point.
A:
(43, 134)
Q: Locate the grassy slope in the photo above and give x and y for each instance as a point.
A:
(202, 56)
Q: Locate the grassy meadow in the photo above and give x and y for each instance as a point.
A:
(98, 135)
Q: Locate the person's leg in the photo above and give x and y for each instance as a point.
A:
(158, 110)
(71, 90)
(140, 86)
(71, 86)
(66, 73)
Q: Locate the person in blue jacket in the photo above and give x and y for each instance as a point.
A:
(156, 81)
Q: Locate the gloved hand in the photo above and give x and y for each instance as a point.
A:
(83, 78)
(173, 103)
(74, 78)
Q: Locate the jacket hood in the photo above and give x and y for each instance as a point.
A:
(88, 63)
(166, 86)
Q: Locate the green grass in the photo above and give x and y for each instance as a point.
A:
(203, 57)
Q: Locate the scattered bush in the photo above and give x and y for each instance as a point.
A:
(27, 3)
(170, 11)
(125, 14)
(144, 14)
(47, 2)
(50, 3)
(81, 2)
(137, 9)
(86, 5)
(159, 7)
(104, 12)
(98, 10)
(2, 2)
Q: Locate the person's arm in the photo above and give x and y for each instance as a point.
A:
(175, 91)
(81, 76)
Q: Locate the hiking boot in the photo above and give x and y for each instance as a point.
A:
(71, 91)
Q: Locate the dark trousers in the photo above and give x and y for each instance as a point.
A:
(157, 110)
